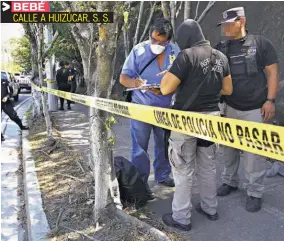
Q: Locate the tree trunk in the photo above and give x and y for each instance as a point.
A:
(106, 185)
(138, 23)
(173, 18)
(187, 7)
(39, 29)
(166, 9)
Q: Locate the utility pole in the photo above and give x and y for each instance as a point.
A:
(50, 71)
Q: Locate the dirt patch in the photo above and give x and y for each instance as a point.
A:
(66, 185)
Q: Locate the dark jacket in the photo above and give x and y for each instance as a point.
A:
(5, 88)
(62, 79)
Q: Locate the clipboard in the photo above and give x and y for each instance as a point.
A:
(145, 87)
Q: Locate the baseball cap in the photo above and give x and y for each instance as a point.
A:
(231, 15)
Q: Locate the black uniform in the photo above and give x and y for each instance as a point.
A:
(72, 72)
(248, 57)
(63, 83)
(7, 106)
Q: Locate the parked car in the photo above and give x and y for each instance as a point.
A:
(25, 82)
(13, 83)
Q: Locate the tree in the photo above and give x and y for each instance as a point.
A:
(21, 53)
(39, 53)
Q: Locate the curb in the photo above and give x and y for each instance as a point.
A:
(37, 225)
(15, 108)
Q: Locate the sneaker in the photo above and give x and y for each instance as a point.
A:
(213, 217)
(25, 128)
(225, 190)
(253, 204)
(169, 221)
(168, 183)
(61, 108)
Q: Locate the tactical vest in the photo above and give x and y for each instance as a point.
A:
(243, 64)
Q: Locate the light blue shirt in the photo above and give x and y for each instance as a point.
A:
(138, 58)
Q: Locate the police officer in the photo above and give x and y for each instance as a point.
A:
(63, 83)
(7, 105)
(250, 56)
(154, 56)
(199, 75)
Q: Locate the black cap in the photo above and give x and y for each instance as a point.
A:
(231, 15)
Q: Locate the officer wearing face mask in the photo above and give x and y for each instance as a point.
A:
(253, 63)
(144, 65)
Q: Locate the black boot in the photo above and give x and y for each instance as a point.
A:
(2, 137)
(225, 190)
(168, 183)
(211, 217)
(61, 108)
(19, 123)
(69, 107)
(253, 204)
(169, 221)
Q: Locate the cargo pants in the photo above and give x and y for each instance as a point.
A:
(187, 159)
(254, 165)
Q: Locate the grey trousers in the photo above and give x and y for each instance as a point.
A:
(186, 159)
(254, 165)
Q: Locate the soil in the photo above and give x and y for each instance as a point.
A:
(66, 186)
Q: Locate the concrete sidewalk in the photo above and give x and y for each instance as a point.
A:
(234, 224)
(11, 205)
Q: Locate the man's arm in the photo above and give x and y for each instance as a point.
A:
(227, 86)
(272, 80)
(128, 82)
(169, 83)
(270, 61)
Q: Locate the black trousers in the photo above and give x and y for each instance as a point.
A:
(8, 109)
(67, 89)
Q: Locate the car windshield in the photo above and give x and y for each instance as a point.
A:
(17, 74)
(4, 75)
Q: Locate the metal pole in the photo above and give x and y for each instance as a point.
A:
(50, 75)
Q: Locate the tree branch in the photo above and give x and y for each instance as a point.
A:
(54, 38)
(196, 10)
(205, 11)
(135, 39)
(179, 9)
(148, 22)
(187, 7)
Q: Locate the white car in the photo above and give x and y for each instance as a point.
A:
(13, 83)
(25, 82)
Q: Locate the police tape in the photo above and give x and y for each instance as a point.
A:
(262, 139)
(50, 81)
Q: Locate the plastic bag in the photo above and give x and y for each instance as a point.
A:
(133, 190)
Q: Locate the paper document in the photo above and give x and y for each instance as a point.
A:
(145, 87)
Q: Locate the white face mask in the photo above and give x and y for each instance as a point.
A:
(157, 49)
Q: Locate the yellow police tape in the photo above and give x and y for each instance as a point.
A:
(50, 81)
(263, 139)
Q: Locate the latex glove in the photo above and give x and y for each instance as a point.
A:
(5, 99)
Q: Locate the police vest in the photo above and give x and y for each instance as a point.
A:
(242, 64)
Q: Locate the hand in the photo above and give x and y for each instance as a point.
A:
(5, 99)
(268, 110)
(155, 91)
(139, 82)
